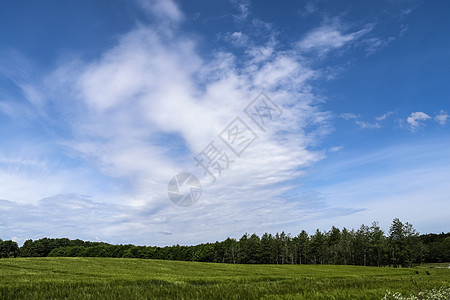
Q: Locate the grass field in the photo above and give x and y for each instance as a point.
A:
(105, 278)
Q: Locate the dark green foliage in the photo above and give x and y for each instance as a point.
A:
(8, 249)
(367, 246)
(404, 244)
(437, 247)
(42, 247)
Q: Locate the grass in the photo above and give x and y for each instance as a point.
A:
(105, 278)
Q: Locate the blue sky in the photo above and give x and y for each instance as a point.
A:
(103, 102)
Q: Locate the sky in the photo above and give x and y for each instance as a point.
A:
(289, 115)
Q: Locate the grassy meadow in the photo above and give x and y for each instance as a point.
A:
(110, 278)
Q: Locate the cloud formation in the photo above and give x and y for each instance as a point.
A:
(413, 122)
(242, 6)
(163, 10)
(384, 116)
(104, 134)
(330, 36)
(415, 118)
(442, 117)
(140, 112)
(361, 124)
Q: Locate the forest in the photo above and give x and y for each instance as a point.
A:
(367, 246)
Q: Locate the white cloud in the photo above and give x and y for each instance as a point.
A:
(336, 148)
(136, 116)
(329, 37)
(242, 6)
(415, 118)
(141, 111)
(237, 38)
(364, 125)
(384, 116)
(442, 117)
(27, 176)
(163, 10)
(349, 116)
(361, 124)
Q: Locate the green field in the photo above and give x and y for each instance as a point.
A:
(109, 278)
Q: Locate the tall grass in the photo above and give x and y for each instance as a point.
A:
(104, 278)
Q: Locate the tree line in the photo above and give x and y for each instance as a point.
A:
(367, 246)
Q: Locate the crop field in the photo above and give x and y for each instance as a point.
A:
(109, 278)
